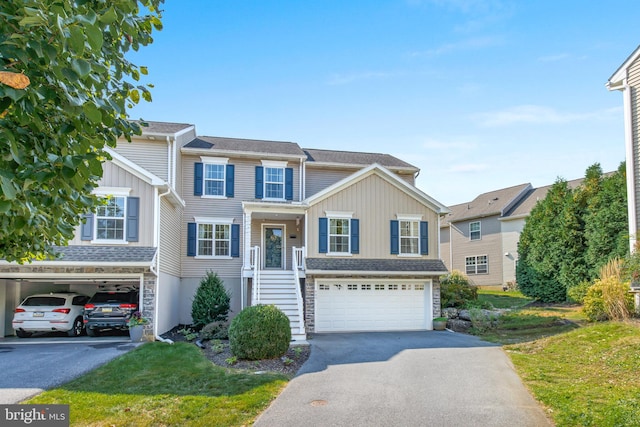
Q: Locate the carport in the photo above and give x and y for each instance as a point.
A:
(81, 269)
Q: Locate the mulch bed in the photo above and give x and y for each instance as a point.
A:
(219, 353)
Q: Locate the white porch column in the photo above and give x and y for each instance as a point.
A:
(247, 240)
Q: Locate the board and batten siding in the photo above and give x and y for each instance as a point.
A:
(634, 83)
(317, 179)
(114, 176)
(170, 228)
(151, 155)
(375, 202)
(490, 244)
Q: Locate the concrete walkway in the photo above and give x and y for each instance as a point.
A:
(404, 379)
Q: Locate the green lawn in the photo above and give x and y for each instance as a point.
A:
(165, 385)
(584, 374)
(586, 377)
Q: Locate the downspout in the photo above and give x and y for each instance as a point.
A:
(302, 179)
(156, 238)
(631, 165)
(169, 160)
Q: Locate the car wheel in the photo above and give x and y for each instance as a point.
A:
(76, 329)
(22, 334)
(92, 332)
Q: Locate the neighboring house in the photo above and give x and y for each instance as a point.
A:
(340, 241)
(480, 238)
(627, 80)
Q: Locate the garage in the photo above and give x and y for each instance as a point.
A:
(372, 305)
(82, 270)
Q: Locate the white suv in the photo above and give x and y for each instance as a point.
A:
(59, 311)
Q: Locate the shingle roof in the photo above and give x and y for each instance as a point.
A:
(524, 206)
(355, 158)
(114, 254)
(215, 143)
(162, 127)
(487, 204)
(375, 265)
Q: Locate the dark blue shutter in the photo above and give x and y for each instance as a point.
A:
(133, 218)
(323, 235)
(355, 236)
(424, 238)
(259, 182)
(288, 183)
(198, 177)
(86, 230)
(191, 239)
(235, 240)
(230, 180)
(395, 237)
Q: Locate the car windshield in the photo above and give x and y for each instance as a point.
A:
(43, 301)
(110, 297)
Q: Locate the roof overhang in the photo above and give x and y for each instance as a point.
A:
(617, 79)
(333, 165)
(241, 154)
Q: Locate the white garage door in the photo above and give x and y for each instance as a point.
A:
(372, 305)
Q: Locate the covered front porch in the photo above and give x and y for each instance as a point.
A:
(274, 253)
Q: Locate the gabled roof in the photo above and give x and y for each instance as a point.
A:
(496, 202)
(524, 206)
(237, 146)
(354, 159)
(621, 73)
(163, 128)
(385, 174)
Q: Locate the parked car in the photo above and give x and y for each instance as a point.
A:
(56, 311)
(109, 310)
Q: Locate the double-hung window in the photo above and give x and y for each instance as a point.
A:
(409, 237)
(116, 221)
(274, 183)
(213, 238)
(474, 230)
(339, 235)
(477, 264)
(214, 179)
(110, 219)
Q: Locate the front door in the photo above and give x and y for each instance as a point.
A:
(273, 247)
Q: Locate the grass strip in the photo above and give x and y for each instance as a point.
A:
(165, 385)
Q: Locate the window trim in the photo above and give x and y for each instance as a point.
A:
(114, 193)
(479, 231)
(416, 237)
(212, 221)
(218, 161)
(272, 164)
(329, 235)
(476, 264)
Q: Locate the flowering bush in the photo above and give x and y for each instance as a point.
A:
(137, 319)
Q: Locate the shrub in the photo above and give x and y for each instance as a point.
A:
(218, 330)
(211, 302)
(456, 290)
(259, 332)
(578, 292)
(608, 299)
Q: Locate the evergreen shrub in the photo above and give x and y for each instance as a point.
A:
(259, 332)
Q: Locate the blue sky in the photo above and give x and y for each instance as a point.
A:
(479, 94)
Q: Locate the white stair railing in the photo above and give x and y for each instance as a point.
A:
(298, 259)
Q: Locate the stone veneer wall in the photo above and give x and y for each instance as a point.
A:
(149, 303)
(309, 299)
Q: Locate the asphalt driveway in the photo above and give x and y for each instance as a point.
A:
(30, 366)
(404, 379)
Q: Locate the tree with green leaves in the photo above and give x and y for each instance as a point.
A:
(571, 234)
(74, 88)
